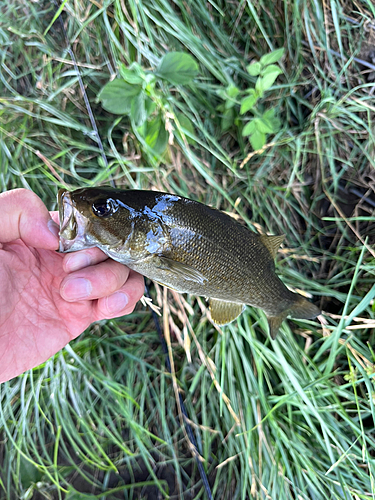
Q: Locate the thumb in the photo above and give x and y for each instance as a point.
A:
(24, 215)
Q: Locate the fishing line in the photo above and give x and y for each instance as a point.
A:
(188, 428)
(95, 135)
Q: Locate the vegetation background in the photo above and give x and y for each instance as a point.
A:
(289, 419)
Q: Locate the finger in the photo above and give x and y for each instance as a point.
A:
(124, 300)
(55, 217)
(94, 282)
(84, 258)
(24, 215)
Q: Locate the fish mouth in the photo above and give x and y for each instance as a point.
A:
(72, 224)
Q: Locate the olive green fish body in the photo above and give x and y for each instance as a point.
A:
(184, 245)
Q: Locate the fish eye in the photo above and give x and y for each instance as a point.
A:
(103, 208)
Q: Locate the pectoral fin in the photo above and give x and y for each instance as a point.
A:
(224, 312)
(179, 269)
(166, 286)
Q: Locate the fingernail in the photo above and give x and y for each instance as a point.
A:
(53, 227)
(116, 302)
(77, 261)
(76, 288)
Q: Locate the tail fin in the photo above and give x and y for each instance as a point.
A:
(274, 323)
(301, 309)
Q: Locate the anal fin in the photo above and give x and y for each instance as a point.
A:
(224, 312)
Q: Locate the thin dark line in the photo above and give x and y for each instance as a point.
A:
(344, 58)
(188, 428)
(96, 135)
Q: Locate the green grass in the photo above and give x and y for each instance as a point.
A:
(101, 418)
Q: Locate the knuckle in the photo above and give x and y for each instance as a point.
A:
(115, 275)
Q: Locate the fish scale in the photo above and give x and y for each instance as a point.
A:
(184, 245)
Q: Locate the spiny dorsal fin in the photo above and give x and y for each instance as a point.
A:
(272, 243)
(224, 312)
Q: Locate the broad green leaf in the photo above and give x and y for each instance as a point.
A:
(232, 91)
(116, 97)
(269, 114)
(138, 109)
(222, 93)
(249, 128)
(178, 68)
(227, 119)
(187, 125)
(29, 473)
(257, 140)
(152, 129)
(259, 87)
(272, 57)
(265, 82)
(155, 135)
(276, 124)
(271, 69)
(265, 126)
(270, 118)
(161, 142)
(230, 103)
(150, 106)
(248, 102)
(254, 68)
(129, 75)
(269, 80)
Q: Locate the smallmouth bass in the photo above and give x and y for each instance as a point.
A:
(184, 245)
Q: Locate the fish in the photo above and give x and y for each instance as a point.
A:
(184, 245)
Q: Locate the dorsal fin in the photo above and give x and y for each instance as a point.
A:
(272, 243)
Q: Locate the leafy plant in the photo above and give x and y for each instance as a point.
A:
(138, 94)
(262, 123)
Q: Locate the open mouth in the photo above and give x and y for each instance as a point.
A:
(65, 209)
(68, 225)
(72, 224)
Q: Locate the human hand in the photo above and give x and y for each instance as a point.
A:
(47, 298)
